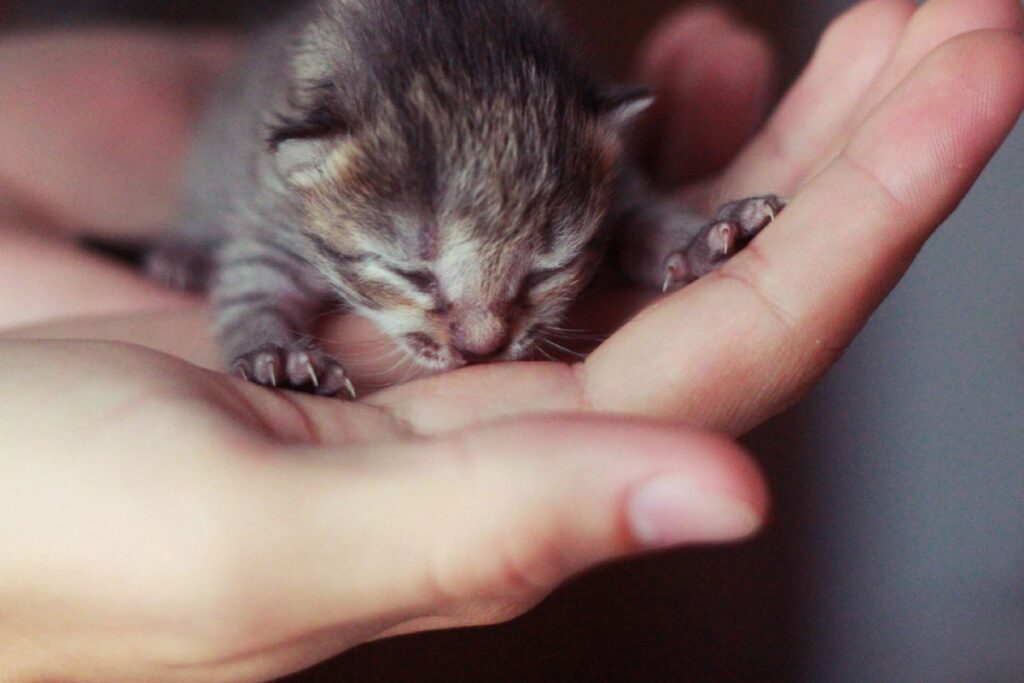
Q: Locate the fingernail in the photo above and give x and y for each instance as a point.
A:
(671, 510)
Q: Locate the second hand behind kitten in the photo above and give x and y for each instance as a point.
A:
(444, 168)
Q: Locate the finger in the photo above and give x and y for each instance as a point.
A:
(482, 523)
(45, 279)
(713, 78)
(807, 133)
(94, 125)
(852, 52)
(742, 345)
(933, 24)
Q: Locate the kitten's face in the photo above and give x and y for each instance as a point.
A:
(463, 245)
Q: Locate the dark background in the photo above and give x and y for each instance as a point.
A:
(896, 550)
(612, 28)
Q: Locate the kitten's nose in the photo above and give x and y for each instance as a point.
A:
(479, 335)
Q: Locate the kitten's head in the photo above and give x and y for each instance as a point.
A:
(462, 218)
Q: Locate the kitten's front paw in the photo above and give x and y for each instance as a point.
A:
(180, 266)
(299, 369)
(736, 224)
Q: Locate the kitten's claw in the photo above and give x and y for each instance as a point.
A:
(299, 369)
(350, 388)
(677, 270)
(752, 215)
(735, 226)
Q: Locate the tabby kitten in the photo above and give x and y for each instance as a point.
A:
(444, 168)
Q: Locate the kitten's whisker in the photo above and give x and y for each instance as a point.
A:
(562, 328)
(330, 312)
(371, 356)
(578, 336)
(395, 367)
(348, 344)
(320, 316)
(400, 357)
(563, 349)
(546, 354)
(390, 370)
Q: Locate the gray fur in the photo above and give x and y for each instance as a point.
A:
(444, 167)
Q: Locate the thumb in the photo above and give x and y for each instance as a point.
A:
(482, 523)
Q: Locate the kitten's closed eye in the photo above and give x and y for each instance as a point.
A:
(539, 277)
(422, 280)
(534, 280)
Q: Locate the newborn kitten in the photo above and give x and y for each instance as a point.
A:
(444, 168)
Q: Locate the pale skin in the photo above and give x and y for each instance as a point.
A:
(168, 523)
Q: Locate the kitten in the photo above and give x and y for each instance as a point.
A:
(444, 168)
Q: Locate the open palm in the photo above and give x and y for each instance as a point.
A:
(464, 498)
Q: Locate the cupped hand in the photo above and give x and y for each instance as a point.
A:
(159, 522)
(463, 498)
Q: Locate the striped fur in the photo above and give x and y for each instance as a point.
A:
(443, 167)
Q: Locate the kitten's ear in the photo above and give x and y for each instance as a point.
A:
(302, 161)
(621, 106)
(303, 142)
(311, 123)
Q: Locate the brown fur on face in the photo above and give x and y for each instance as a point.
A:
(487, 222)
(444, 167)
(450, 184)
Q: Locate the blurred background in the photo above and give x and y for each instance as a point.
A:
(896, 553)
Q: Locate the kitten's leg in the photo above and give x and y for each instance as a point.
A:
(661, 244)
(184, 258)
(648, 233)
(181, 263)
(265, 299)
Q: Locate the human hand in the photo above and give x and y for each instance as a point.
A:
(96, 124)
(159, 522)
(733, 366)
(875, 151)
